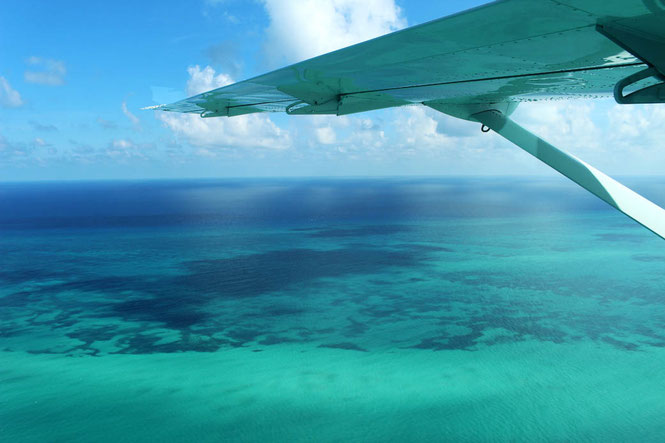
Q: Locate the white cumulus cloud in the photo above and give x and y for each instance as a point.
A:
(326, 135)
(45, 71)
(123, 149)
(636, 138)
(134, 119)
(202, 80)
(417, 128)
(9, 97)
(245, 131)
(568, 124)
(300, 29)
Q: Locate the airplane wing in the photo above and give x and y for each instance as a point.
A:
(516, 50)
(486, 59)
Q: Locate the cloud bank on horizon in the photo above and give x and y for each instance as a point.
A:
(54, 125)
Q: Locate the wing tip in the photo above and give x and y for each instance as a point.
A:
(155, 107)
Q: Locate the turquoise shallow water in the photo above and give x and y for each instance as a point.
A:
(347, 310)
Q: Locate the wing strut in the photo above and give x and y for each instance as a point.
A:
(614, 193)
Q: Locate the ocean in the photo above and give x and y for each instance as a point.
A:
(329, 310)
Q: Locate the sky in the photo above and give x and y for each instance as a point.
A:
(74, 76)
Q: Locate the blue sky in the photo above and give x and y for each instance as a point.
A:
(74, 75)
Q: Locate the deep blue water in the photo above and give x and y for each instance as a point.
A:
(500, 309)
(270, 202)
